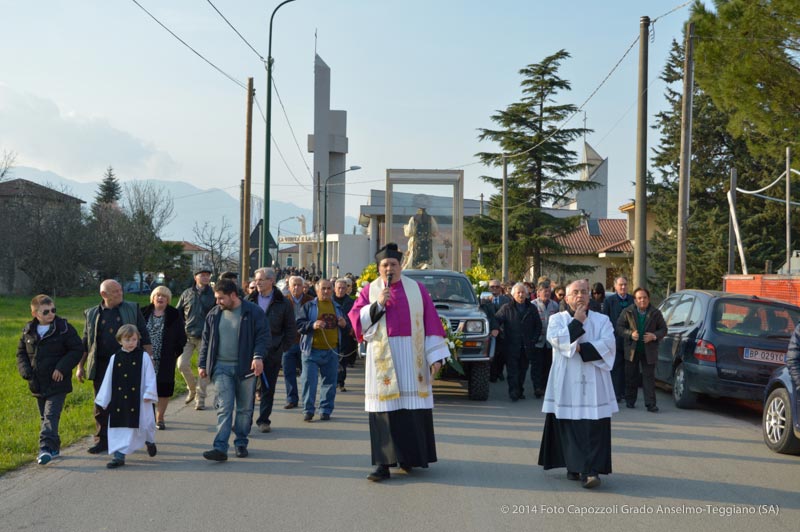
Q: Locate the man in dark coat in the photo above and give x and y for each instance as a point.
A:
(48, 350)
(793, 357)
(349, 346)
(613, 307)
(520, 328)
(492, 305)
(641, 327)
(280, 316)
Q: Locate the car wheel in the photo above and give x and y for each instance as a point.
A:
(776, 423)
(478, 381)
(684, 398)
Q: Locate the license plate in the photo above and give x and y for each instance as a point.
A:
(760, 355)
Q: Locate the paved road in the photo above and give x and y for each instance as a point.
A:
(311, 476)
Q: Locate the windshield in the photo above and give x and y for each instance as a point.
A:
(755, 318)
(446, 288)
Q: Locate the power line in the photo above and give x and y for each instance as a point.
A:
(594, 92)
(294, 136)
(239, 83)
(237, 32)
(280, 153)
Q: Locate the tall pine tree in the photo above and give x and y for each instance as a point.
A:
(539, 171)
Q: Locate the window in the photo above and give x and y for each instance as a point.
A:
(680, 316)
(754, 318)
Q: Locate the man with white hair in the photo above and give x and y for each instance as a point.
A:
(580, 397)
(100, 342)
(520, 328)
(291, 357)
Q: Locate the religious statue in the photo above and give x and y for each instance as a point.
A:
(421, 230)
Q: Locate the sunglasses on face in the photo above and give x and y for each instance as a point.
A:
(47, 311)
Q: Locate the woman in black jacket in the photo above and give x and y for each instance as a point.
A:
(48, 351)
(166, 328)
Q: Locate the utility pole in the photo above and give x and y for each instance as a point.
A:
(505, 218)
(788, 209)
(640, 232)
(248, 159)
(480, 251)
(241, 225)
(731, 231)
(686, 157)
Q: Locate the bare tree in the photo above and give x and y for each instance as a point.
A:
(149, 209)
(7, 161)
(221, 243)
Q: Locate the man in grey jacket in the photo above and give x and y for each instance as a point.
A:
(194, 304)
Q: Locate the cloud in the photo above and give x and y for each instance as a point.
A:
(74, 145)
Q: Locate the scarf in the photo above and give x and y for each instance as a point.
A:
(388, 387)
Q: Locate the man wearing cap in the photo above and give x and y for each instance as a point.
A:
(405, 347)
(194, 303)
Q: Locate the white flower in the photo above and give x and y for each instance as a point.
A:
(451, 344)
(364, 283)
(483, 283)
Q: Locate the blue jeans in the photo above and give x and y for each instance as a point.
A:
(291, 362)
(325, 362)
(230, 388)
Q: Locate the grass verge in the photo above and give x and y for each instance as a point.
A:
(19, 424)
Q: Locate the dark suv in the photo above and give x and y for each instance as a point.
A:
(722, 344)
(456, 302)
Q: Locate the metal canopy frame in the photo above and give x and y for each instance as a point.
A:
(454, 178)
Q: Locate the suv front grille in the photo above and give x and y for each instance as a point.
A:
(454, 324)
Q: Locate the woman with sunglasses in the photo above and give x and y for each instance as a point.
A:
(48, 351)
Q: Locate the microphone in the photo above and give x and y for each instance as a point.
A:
(388, 279)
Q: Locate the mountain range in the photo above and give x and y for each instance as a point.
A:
(191, 204)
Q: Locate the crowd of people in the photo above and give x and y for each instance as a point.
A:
(586, 352)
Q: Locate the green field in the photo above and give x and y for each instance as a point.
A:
(19, 422)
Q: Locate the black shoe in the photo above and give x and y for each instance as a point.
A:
(151, 448)
(216, 455)
(98, 448)
(406, 468)
(160, 425)
(492, 379)
(308, 417)
(522, 396)
(573, 476)
(342, 388)
(591, 481)
(381, 473)
(289, 406)
(241, 451)
(538, 393)
(514, 398)
(325, 417)
(500, 377)
(652, 408)
(264, 427)
(630, 405)
(115, 463)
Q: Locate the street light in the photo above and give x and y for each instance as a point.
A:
(278, 239)
(265, 233)
(325, 221)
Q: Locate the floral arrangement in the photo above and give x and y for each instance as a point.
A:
(368, 274)
(478, 277)
(455, 341)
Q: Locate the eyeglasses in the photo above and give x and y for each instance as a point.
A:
(494, 286)
(47, 311)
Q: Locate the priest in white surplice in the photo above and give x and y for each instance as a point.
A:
(405, 346)
(580, 398)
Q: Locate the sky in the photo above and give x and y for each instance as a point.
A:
(92, 83)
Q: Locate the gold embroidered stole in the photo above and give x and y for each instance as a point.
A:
(386, 376)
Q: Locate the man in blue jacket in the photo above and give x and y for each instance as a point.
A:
(235, 341)
(321, 323)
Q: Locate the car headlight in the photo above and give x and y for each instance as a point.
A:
(473, 326)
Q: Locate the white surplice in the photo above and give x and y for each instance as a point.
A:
(578, 389)
(123, 439)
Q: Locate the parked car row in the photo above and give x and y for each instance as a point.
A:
(729, 345)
